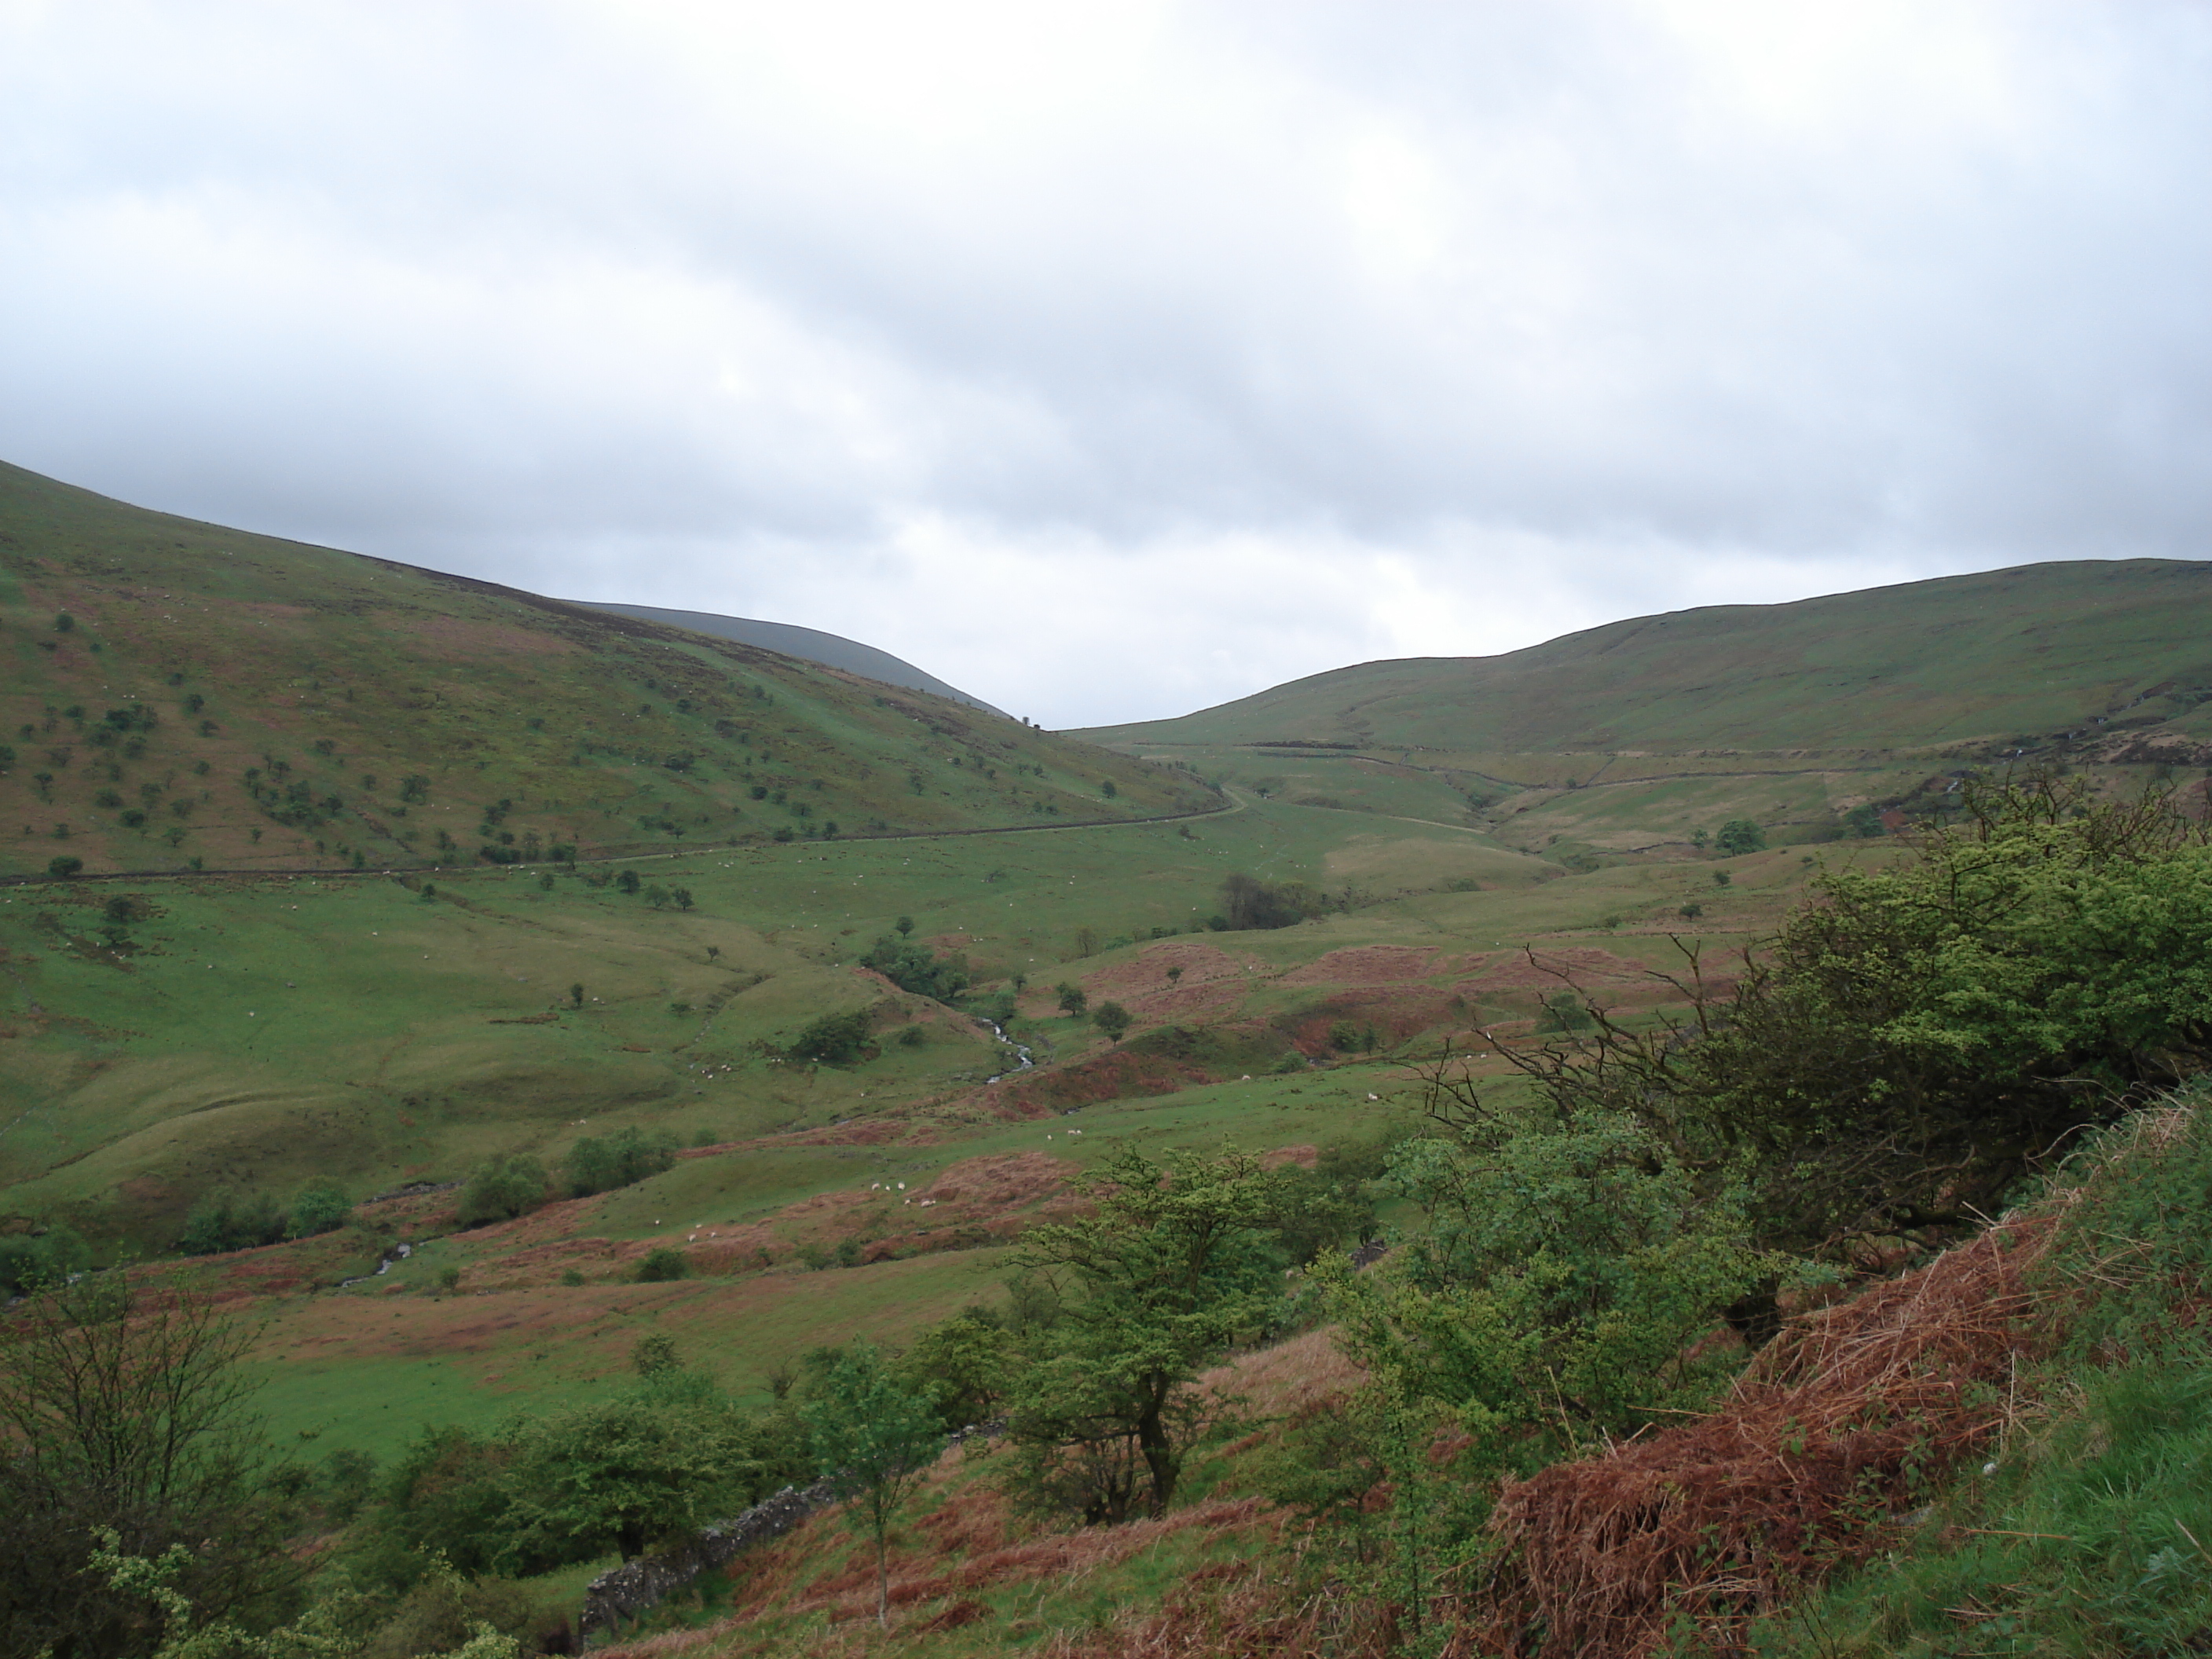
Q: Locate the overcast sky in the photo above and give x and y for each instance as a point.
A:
(1112, 360)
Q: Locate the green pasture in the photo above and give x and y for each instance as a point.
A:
(262, 1032)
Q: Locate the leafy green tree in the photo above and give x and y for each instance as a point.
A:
(320, 1207)
(64, 865)
(1248, 903)
(877, 1438)
(831, 1039)
(1072, 998)
(904, 924)
(1175, 1262)
(501, 1187)
(628, 881)
(661, 1265)
(1114, 1019)
(600, 1163)
(1864, 821)
(1739, 836)
(964, 1367)
(126, 1414)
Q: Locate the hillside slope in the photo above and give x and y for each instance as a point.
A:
(2021, 654)
(808, 644)
(177, 696)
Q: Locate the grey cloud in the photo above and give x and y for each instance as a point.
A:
(1128, 308)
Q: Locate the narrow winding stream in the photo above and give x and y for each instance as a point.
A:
(1021, 1052)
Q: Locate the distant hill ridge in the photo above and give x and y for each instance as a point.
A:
(831, 650)
(2030, 652)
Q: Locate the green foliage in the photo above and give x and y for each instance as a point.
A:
(1248, 903)
(1112, 1019)
(654, 1355)
(1739, 836)
(665, 1457)
(832, 1039)
(918, 969)
(1353, 1037)
(661, 1265)
(320, 1207)
(1175, 1262)
(1568, 1265)
(964, 1367)
(501, 1187)
(598, 1163)
(628, 881)
(30, 1261)
(878, 1437)
(124, 1416)
(64, 865)
(1913, 1042)
(1331, 1206)
(227, 1219)
(1072, 998)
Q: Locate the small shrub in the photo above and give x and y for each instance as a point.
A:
(449, 1278)
(662, 1264)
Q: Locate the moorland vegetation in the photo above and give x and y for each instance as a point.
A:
(1517, 1193)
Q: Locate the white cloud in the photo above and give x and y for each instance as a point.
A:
(1110, 360)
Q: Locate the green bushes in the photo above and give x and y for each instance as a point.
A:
(1913, 1042)
(227, 1219)
(662, 1264)
(502, 1188)
(1248, 903)
(601, 1163)
(917, 969)
(28, 1261)
(665, 1455)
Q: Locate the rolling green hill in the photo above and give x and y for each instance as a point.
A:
(177, 696)
(2022, 655)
